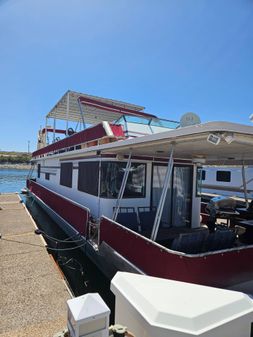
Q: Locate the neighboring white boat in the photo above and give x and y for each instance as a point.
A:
(129, 185)
(233, 181)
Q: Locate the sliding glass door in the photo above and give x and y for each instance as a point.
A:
(178, 203)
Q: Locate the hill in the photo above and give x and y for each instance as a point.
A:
(12, 157)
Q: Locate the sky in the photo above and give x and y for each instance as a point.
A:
(171, 56)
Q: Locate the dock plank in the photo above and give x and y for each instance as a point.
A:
(32, 291)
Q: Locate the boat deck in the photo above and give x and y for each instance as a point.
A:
(33, 293)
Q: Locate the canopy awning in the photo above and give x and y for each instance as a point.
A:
(95, 109)
(234, 145)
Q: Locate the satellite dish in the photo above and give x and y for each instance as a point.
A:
(188, 119)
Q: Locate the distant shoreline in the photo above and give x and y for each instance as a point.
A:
(15, 166)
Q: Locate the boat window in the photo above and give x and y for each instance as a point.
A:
(47, 176)
(111, 178)
(203, 175)
(223, 176)
(66, 174)
(88, 177)
(164, 123)
(38, 170)
(200, 175)
(158, 175)
(182, 196)
(134, 119)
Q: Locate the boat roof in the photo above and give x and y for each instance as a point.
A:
(95, 109)
(196, 142)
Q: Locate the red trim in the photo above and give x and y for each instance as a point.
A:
(113, 108)
(76, 216)
(54, 130)
(117, 130)
(89, 134)
(217, 269)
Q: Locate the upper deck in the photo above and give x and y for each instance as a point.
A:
(101, 120)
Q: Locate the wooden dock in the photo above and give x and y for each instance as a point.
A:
(33, 293)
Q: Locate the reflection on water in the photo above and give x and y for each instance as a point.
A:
(12, 180)
(81, 274)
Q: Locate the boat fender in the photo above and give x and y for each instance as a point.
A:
(107, 129)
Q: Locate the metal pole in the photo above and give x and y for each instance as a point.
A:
(122, 187)
(46, 135)
(99, 186)
(67, 115)
(54, 130)
(163, 197)
(245, 185)
(81, 113)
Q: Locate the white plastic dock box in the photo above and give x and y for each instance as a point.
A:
(88, 316)
(154, 307)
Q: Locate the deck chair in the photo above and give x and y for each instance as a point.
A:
(190, 243)
(220, 239)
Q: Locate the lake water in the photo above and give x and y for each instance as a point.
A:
(12, 180)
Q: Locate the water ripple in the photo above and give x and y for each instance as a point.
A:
(12, 180)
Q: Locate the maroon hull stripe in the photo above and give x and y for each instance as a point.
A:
(86, 135)
(75, 215)
(217, 269)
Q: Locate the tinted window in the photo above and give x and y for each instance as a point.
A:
(66, 174)
(38, 173)
(203, 175)
(223, 176)
(88, 177)
(111, 178)
(47, 176)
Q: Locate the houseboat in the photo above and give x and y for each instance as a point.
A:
(228, 181)
(129, 185)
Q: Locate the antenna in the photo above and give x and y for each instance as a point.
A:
(189, 118)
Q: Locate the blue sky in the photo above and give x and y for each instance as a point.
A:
(171, 56)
